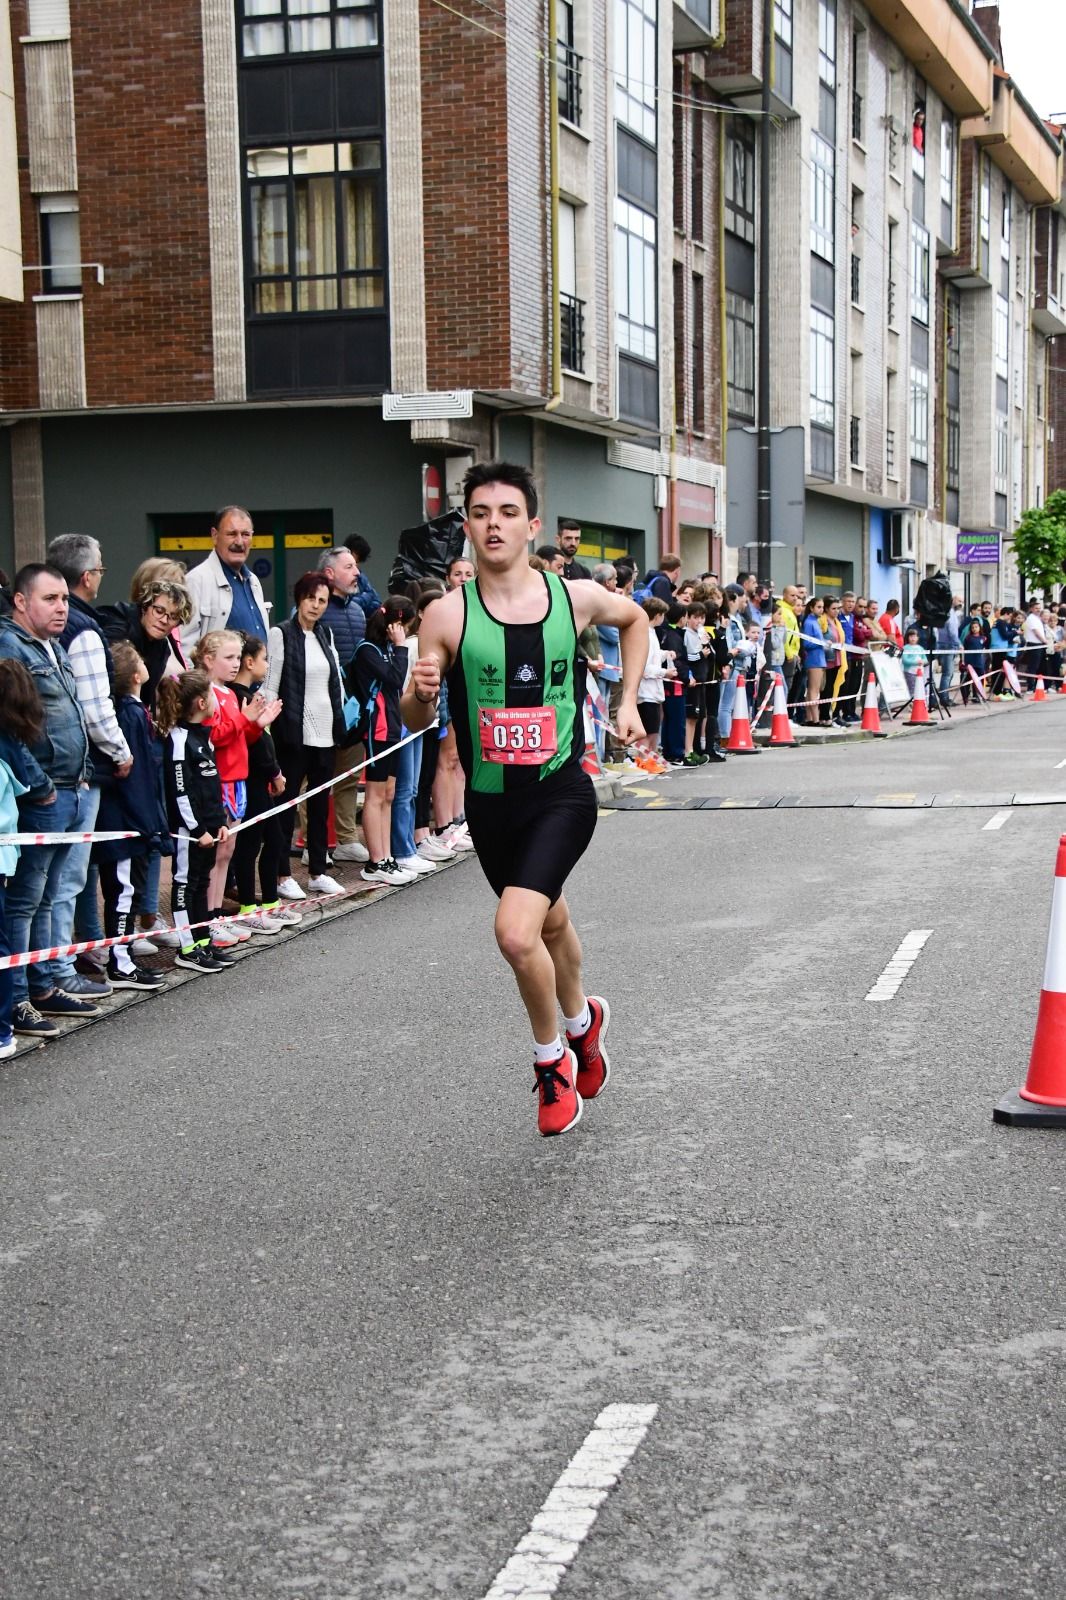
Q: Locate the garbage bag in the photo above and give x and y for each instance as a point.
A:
(932, 603)
(427, 551)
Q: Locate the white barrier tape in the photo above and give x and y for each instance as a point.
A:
(231, 830)
(29, 958)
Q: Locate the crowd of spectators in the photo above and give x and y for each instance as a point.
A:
(189, 720)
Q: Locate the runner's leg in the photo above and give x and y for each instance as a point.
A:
(564, 947)
(520, 927)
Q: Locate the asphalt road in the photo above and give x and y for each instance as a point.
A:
(295, 1301)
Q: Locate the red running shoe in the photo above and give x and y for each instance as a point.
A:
(560, 1103)
(593, 1067)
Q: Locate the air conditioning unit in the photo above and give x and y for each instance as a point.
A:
(902, 535)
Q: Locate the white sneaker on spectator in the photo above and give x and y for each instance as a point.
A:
(417, 865)
(289, 889)
(285, 915)
(351, 852)
(434, 850)
(387, 873)
(263, 922)
(143, 946)
(305, 859)
(224, 936)
(323, 884)
(460, 839)
(239, 930)
(161, 933)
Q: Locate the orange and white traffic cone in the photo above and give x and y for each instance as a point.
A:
(780, 728)
(1042, 1103)
(1040, 693)
(871, 715)
(1062, 686)
(590, 761)
(741, 742)
(919, 705)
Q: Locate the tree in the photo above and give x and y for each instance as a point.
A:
(1040, 544)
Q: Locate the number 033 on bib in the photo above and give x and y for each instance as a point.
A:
(523, 737)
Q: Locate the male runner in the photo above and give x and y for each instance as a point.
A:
(516, 688)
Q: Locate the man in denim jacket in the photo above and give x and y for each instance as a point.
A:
(30, 635)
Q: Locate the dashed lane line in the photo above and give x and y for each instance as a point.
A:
(910, 948)
(997, 821)
(563, 1523)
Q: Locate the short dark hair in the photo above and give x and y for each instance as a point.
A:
(670, 564)
(547, 552)
(359, 547)
(568, 525)
(512, 473)
(25, 580)
(654, 608)
(742, 577)
(454, 562)
(230, 511)
(21, 711)
(695, 608)
(308, 584)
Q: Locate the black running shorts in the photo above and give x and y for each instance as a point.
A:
(532, 838)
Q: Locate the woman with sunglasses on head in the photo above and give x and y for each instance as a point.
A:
(150, 625)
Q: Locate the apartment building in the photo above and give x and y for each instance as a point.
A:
(316, 255)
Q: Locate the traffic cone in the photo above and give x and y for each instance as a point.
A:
(590, 761)
(741, 742)
(871, 715)
(1062, 686)
(1040, 692)
(1042, 1103)
(780, 728)
(919, 705)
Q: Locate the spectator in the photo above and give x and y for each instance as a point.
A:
(30, 635)
(157, 569)
(428, 847)
(1037, 642)
(195, 813)
(566, 542)
(305, 673)
(375, 680)
(853, 662)
(697, 653)
(365, 592)
(1004, 640)
(879, 639)
(790, 621)
(21, 777)
(449, 786)
(234, 726)
(947, 645)
(651, 692)
(659, 584)
(151, 625)
(223, 591)
(914, 656)
(554, 560)
(736, 650)
(975, 655)
(626, 571)
(889, 622)
(78, 558)
(403, 843)
(136, 804)
(813, 641)
(346, 620)
(460, 571)
(610, 674)
(672, 643)
(836, 665)
(260, 844)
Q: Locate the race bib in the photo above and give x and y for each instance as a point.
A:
(515, 737)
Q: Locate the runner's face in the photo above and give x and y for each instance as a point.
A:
(499, 526)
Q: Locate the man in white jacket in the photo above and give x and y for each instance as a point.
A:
(224, 593)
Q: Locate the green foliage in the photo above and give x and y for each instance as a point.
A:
(1040, 544)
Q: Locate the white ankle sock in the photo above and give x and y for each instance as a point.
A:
(580, 1024)
(548, 1052)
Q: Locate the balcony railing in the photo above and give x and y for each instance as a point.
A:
(856, 280)
(855, 441)
(890, 452)
(572, 331)
(568, 72)
(856, 115)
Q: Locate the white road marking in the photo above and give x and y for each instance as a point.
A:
(1059, 764)
(902, 961)
(564, 1521)
(996, 822)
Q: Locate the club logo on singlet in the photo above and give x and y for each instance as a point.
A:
(489, 674)
(558, 673)
(526, 674)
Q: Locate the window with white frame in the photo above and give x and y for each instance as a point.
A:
(636, 65)
(740, 179)
(919, 418)
(823, 168)
(920, 273)
(985, 216)
(296, 27)
(948, 149)
(740, 355)
(823, 388)
(49, 19)
(783, 48)
(1002, 337)
(636, 286)
(1002, 462)
(827, 43)
(1004, 231)
(60, 243)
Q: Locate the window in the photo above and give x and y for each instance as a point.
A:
(699, 382)
(918, 139)
(985, 217)
(567, 65)
(827, 43)
(947, 176)
(822, 219)
(697, 176)
(856, 246)
(60, 244)
(858, 85)
(953, 328)
(49, 19)
(855, 425)
(1004, 230)
(740, 179)
(316, 234)
(954, 449)
(635, 259)
(636, 65)
(919, 273)
(823, 412)
(571, 309)
(919, 419)
(893, 232)
(294, 27)
(679, 344)
(1002, 461)
(740, 356)
(783, 49)
(1002, 337)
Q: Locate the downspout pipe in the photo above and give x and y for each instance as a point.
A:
(555, 398)
(762, 503)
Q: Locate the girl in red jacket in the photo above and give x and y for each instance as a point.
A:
(232, 728)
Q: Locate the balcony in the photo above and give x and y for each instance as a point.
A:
(946, 47)
(697, 24)
(572, 332)
(1019, 144)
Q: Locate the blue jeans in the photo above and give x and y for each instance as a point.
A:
(32, 886)
(69, 887)
(947, 669)
(726, 696)
(7, 987)
(408, 766)
(146, 899)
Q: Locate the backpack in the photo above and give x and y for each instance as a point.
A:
(643, 591)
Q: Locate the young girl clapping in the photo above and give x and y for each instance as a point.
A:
(195, 812)
(266, 783)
